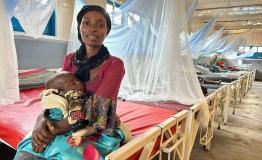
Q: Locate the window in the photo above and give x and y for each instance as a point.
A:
(120, 19)
(241, 49)
(247, 49)
(49, 30)
(113, 6)
(259, 49)
(16, 25)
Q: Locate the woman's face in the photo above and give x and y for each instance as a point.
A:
(93, 29)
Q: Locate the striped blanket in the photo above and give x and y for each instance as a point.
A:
(34, 78)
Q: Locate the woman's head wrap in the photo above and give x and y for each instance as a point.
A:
(88, 8)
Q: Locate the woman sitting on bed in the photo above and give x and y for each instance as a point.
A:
(102, 75)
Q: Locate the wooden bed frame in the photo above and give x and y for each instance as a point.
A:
(174, 137)
(222, 95)
(166, 139)
(251, 77)
(144, 143)
(238, 89)
(235, 89)
(241, 86)
(206, 134)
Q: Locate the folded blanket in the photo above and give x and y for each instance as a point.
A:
(34, 79)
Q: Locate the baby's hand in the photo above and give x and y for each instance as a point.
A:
(74, 141)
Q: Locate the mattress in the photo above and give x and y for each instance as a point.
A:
(219, 78)
(18, 119)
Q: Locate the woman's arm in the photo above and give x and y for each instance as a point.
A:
(41, 135)
(45, 129)
(109, 88)
(112, 79)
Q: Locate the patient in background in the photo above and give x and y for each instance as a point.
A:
(64, 97)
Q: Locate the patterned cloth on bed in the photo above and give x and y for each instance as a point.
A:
(34, 78)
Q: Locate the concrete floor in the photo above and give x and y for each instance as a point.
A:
(241, 138)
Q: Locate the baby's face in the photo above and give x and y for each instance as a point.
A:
(72, 83)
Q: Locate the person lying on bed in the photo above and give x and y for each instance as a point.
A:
(102, 75)
(208, 81)
(64, 97)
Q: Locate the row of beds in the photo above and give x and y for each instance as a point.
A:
(160, 129)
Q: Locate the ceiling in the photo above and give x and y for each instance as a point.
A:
(236, 16)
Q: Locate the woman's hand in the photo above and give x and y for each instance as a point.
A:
(44, 131)
(41, 135)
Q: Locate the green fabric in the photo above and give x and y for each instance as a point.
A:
(35, 80)
(106, 144)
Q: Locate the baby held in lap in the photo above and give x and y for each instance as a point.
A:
(64, 97)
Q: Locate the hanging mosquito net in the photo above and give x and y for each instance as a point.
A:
(145, 35)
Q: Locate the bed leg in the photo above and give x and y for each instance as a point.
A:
(207, 147)
(234, 108)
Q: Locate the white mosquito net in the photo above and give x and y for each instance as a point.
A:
(233, 45)
(198, 39)
(8, 62)
(145, 34)
(213, 41)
